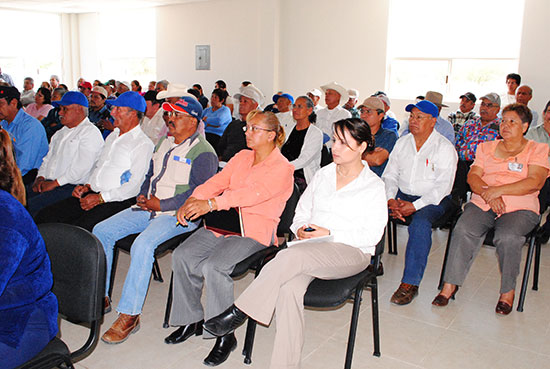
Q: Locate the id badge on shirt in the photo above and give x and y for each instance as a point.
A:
(182, 160)
(515, 166)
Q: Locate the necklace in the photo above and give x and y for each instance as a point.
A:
(344, 175)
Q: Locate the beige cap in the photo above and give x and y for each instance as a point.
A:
(100, 90)
(373, 103)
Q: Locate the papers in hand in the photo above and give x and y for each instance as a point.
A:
(329, 238)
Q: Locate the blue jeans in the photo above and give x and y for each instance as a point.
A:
(38, 201)
(152, 232)
(420, 237)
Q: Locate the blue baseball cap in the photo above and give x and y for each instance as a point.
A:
(186, 104)
(129, 99)
(425, 106)
(72, 97)
(288, 96)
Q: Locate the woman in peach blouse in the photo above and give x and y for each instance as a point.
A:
(41, 105)
(505, 179)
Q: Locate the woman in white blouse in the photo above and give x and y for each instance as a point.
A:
(345, 204)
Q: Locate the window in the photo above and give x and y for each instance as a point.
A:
(33, 48)
(452, 46)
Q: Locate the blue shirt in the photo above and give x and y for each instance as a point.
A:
(443, 126)
(217, 121)
(385, 139)
(391, 124)
(29, 140)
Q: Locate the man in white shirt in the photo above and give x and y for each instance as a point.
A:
(315, 96)
(335, 95)
(513, 80)
(72, 154)
(419, 177)
(153, 124)
(524, 94)
(284, 102)
(27, 95)
(117, 177)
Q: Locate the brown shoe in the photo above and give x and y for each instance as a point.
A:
(441, 300)
(503, 308)
(121, 329)
(107, 305)
(404, 294)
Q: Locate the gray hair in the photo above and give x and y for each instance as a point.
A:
(55, 76)
(60, 90)
(163, 82)
(29, 79)
(309, 102)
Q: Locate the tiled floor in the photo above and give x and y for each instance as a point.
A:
(466, 334)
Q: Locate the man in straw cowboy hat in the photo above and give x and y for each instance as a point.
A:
(335, 96)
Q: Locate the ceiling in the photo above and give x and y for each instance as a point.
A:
(84, 6)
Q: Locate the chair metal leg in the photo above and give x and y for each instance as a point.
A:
(113, 270)
(249, 340)
(388, 227)
(393, 238)
(168, 304)
(537, 266)
(157, 275)
(353, 327)
(375, 316)
(526, 272)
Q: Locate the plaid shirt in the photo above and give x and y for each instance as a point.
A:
(472, 133)
(458, 118)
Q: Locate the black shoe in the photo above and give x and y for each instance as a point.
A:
(542, 236)
(221, 350)
(184, 332)
(226, 322)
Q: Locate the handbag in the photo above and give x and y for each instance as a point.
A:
(225, 222)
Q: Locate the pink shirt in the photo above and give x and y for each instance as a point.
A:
(498, 172)
(33, 110)
(261, 191)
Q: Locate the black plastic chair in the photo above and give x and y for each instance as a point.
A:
(333, 294)
(257, 260)
(78, 268)
(534, 248)
(447, 221)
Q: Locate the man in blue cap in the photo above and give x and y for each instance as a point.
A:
(419, 177)
(181, 162)
(284, 103)
(73, 152)
(28, 135)
(117, 177)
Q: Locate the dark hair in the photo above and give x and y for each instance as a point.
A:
(64, 86)
(60, 90)
(358, 129)
(46, 93)
(516, 77)
(309, 103)
(221, 84)
(29, 79)
(198, 87)
(546, 107)
(522, 111)
(246, 83)
(194, 92)
(152, 97)
(10, 175)
(136, 82)
(221, 94)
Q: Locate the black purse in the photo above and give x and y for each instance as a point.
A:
(226, 222)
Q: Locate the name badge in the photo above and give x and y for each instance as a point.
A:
(515, 166)
(182, 160)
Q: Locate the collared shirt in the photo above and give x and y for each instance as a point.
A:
(472, 134)
(122, 165)
(34, 111)
(27, 97)
(155, 128)
(287, 121)
(386, 140)
(29, 140)
(7, 78)
(428, 172)
(326, 117)
(538, 134)
(458, 118)
(356, 214)
(443, 126)
(73, 153)
(260, 190)
(177, 169)
(96, 115)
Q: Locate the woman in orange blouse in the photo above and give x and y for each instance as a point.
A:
(505, 179)
(258, 181)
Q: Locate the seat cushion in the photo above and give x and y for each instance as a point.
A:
(55, 353)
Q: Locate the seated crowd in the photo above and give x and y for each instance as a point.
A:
(118, 161)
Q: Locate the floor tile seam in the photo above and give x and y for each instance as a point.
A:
(414, 320)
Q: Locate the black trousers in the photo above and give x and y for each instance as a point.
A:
(69, 211)
(461, 186)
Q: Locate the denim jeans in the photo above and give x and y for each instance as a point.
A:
(420, 237)
(152, 232)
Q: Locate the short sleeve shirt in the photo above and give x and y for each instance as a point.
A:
(385, 139)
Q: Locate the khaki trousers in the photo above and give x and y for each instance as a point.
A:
(281, 286)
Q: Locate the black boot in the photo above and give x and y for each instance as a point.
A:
(184, 332)
(226, 322)
(221, 350)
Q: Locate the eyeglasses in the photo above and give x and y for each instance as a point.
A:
(488, 105)
(419, 117)
(254, 129)
(177, 114)
(367, 111)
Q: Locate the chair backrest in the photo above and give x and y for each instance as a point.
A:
(288, 213)
(78, 268)
(380, 245)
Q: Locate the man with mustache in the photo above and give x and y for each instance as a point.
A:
(465, 111)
